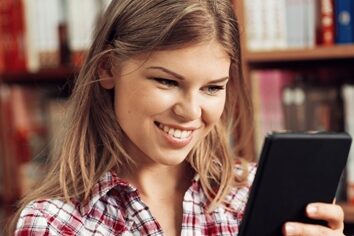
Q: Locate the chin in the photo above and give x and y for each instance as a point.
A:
(172, 160)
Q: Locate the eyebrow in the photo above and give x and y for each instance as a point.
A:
(180, 77)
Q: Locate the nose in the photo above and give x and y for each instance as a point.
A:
(188, 108)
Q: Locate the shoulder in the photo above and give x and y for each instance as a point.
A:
(48, 217)
(238, 196)
(247, 170)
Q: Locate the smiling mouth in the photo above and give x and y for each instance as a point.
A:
(173, 132)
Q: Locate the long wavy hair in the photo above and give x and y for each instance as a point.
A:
(90, 144)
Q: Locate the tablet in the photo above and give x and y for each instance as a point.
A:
(294, 169)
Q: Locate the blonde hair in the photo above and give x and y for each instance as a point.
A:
(91, 142)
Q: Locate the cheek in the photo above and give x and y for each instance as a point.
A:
(213, 111)
(140, 103)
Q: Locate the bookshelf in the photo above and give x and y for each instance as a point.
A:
(334, 61)
(55, 75)
(56, 84)
(335, 52)
(38, 64)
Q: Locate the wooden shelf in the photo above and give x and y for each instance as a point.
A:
(54, 75)
(310, 54)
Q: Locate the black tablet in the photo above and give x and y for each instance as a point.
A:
(294, 169)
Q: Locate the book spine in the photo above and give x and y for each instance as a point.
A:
(348, 102)
(293, 100)
(321, 107)
(18, 20)
(270, 112)
(2, 19)
(254, 14)
(32, 54)
(258, 135)
(48, 37)
(13, 35)
(269, 24)
(292, 23)
(344, 21)
(280, 24)
(326, 35)
(9, 160)
(310, 23)
(81, 21)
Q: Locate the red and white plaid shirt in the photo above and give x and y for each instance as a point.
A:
(115, 208)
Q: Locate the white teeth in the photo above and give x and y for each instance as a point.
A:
(176, 133)
(185, 134)
(166, 129)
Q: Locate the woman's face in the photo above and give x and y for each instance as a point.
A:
(167, 102)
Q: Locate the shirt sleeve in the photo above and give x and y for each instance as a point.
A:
(33, 222)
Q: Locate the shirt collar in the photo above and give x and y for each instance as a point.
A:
(110, 180)
(106, 183)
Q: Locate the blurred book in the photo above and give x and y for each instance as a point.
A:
(30, 119)
(267, 86)
(348, 101)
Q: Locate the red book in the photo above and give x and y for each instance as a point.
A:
(13, 35)
(18, 22)
(2, 60)
(326, 32)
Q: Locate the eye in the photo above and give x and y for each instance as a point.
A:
(213, 89)
(166, 82)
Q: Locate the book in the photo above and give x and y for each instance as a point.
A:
(344, 13)
(254, 23)
(8, 161)
(293, 101)
(32, 35)
(55, 119)
(280, 41)
(48, 20)
(12, 35)
(17, 37)
(295, 23)
(311, 108)
(267, 86)
(310, 19)
(325, 25)
(322, 110)
(348, 102)
(81, 21)
(2, 27)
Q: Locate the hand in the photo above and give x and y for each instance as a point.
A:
(331, 213)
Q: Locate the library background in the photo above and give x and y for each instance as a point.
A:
(298, 57)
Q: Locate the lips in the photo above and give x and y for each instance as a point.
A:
(177, 137)
(174, 132)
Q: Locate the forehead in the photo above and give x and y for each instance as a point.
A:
(206, 58)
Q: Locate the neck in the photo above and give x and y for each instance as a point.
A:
(159, 181)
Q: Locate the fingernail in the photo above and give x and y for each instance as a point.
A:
(311, 210)
(290, 229)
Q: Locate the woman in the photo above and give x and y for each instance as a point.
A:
(145, 149)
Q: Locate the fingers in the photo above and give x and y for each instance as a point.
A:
(331, 213)
(300, 229)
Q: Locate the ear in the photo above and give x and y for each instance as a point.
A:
(105, 74)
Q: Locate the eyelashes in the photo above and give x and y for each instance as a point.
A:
(208, 89)
(214, 89)
(166, 82)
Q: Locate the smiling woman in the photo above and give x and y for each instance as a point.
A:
(146, 150)
(166, 95)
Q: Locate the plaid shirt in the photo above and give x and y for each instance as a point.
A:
(115, 208)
